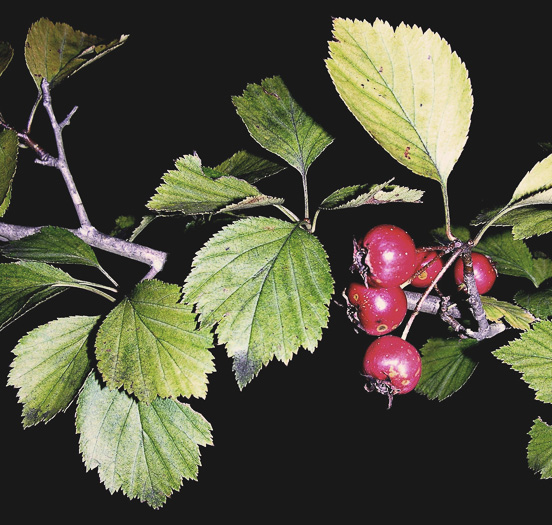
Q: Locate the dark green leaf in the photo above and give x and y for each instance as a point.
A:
(51, 364)
(446, 366)
(279, 124)
(145, 450)
(539, 303)
(513, 257)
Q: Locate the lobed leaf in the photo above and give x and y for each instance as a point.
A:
(190, 191)
(54, 52)
(539, 450)
(280, 125)
(446, 366)
(149, 344)
(408, 90)
(145, 450)
(359, 195)
(266, 285)
(50, 367)
(9, 146)
(531, 355)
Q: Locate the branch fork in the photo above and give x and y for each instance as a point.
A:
(87, 232)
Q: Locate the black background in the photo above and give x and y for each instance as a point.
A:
(301, 441)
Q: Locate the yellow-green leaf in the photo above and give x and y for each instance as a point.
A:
(407, 88)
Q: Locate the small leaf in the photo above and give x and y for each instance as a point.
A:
(6, 55)
(446, 366)
(539, 450)
(408, 90)
(27, 284)
(279, 124)
(539, 303)
(51, 364)
(189, 191)
(54, 52)
(249, 167)
(515, 316)
(149, 344)
(266, 285)
(359, 195)
(145, 450)
(531, 355)
(9, 146)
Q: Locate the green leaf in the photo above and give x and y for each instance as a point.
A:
(266, 285)
(408, 90)
(25, 285)
(539, 303)
(359, 195)
(446, 366)
(150, 345)
(515, 316)
(56, 51)
(531, 355)
(513, 257)
(6, 55)
(50, 367)
(189, 191)
(249, 167)
(9, 146)
(145, 450)
(279, 124)
(52, 245)
(539, 450)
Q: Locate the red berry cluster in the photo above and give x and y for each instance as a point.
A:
(388, 260)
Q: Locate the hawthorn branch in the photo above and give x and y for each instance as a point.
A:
(155, 259)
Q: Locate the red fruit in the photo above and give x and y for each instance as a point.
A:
(391, 257)
(356, 293)
(392, 366)
(429, 266)
(484, 272)
(382, 310)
